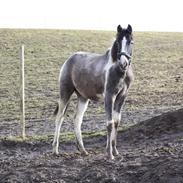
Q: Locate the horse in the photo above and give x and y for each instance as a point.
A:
(93, 76)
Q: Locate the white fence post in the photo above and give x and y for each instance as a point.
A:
(22, 94)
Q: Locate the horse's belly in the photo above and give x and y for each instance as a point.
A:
(97, 97)
(90, 89)
(90, 93)
(88, 77)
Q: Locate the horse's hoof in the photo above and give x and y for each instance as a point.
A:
(111, 157)
(85, 153)
(55, 151)
(115, 152)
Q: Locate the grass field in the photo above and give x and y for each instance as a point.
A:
(150, 151)
(157, 63)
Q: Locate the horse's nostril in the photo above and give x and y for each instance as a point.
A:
(123, 65)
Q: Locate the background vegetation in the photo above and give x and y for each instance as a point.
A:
(157, 63)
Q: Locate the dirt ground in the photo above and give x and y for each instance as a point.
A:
(150, 151)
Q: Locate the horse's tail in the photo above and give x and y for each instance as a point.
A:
(56, 110)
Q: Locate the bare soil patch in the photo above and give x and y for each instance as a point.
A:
(150, 151)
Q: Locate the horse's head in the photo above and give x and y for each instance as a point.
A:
(122, 47)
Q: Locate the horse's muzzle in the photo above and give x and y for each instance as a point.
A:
(123, 64)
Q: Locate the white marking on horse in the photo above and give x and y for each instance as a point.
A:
(59, 120)
(112, 137)
(106, 69)
(81, 108)
(116, 116)
(124, 49)
(123, 44)
(81, 52)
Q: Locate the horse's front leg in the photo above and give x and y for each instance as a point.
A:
(109, 103)
(118, 103)
(117, 119)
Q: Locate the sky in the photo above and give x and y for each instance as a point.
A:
(143, 15)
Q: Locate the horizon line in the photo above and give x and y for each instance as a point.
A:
(88, 29)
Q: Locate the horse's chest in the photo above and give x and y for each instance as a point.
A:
(115, 82)
(120, 85)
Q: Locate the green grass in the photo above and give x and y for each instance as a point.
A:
(64, 136)
(157, 63)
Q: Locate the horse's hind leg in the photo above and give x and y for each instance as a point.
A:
(81, 108)
(58, 123)
(62, 106)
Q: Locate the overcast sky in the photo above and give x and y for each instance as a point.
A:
(143, 15)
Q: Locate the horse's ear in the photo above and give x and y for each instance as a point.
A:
(129, 28)
(119, 29)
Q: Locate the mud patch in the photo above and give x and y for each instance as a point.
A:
(151, 151)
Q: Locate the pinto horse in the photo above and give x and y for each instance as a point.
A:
(92, 76)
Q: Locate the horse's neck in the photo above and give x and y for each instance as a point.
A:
(109, 62)
(114, 51)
